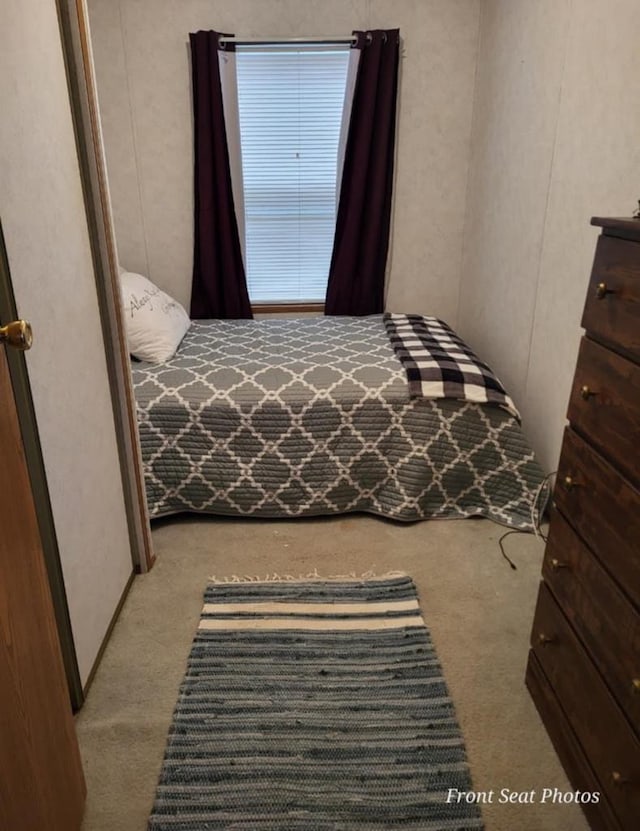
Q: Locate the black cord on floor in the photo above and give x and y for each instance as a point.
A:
(504, 553)
(536, 519)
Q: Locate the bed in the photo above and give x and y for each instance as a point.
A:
(313, 416)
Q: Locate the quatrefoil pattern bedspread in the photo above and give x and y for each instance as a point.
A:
(312, 416)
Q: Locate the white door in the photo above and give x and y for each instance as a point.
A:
(47, 239)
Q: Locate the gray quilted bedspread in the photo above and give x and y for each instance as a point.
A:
(290, 418)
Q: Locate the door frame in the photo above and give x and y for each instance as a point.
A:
(78, 58)
(35, 467)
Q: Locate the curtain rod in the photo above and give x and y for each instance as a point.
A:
(329, 39)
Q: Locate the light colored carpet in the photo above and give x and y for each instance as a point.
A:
(479, 612)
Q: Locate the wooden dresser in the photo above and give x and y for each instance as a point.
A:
(584, 665)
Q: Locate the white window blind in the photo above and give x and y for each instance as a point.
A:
(290, 100)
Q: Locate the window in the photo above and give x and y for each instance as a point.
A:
(290, 100)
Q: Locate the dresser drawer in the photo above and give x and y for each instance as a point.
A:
(600, 726)
(603, 508)
(612, 310)
(606, 622)
(605, 405)
(580, 773)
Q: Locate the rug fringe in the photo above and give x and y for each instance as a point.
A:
(310, 577)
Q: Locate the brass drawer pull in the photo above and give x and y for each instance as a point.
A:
(556, 565)
(602, 290)
(586, 392)
(635, 685)
(619, 779)
(543, 639)
(569, 483)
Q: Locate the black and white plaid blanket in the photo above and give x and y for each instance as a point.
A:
(440, 365)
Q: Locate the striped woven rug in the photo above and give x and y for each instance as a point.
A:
(313, 706)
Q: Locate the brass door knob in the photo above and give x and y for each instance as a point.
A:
(543, 639)
(556, 564)
(569, 482)
(602, 290)
(17, 334)
(635, 685)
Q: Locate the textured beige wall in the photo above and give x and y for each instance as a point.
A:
(554, 142)
(142, 63)
(48, 246)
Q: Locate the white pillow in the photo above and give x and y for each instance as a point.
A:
(155, 322)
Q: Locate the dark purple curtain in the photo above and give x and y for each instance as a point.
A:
(219, 287)
(358, 262)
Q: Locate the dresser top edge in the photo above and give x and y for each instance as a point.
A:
(618, 226)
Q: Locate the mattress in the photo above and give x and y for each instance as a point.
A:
(312, 416)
